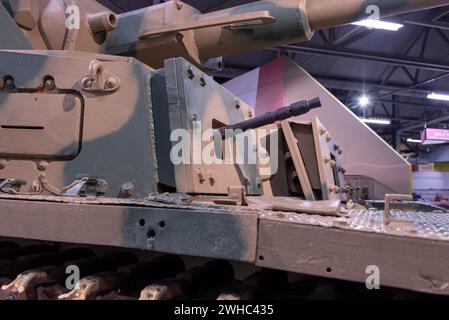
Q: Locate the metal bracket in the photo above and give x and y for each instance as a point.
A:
(236, 197)
(298, 161)
(98, 79)
(93, 187)
(393, 197)
(233, 21)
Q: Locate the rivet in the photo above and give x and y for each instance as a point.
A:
(42, 165)
(202, 81)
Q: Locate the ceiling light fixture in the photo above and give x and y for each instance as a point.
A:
(378, 24)
(414, 140)
(364, 101)
(438, 96)
(385, 122)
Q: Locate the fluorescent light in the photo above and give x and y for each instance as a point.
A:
(432, 142)
(414, 140)
(376, 121)
(437, 96)
(379, 24)
(364, 101)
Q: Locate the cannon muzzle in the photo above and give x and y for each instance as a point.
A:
(328, 13)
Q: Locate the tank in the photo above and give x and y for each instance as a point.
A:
(113, 145)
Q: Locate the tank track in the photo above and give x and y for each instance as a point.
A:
(40, 272)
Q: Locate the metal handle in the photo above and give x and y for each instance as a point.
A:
(393, 197)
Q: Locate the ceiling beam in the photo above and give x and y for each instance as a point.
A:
(417, 85)
(395, 60)
(421, 125)
(359, 84)
(414, 104)
(425, 24)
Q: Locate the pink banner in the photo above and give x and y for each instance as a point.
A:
(434, 136)
(437, 134)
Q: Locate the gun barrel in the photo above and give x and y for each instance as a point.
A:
(294, 110)
(176, 29)
(295, 21)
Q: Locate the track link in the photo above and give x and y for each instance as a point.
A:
(39, 272)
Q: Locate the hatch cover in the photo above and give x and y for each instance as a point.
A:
(40, 125)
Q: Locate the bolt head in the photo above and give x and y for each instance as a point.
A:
(112, 83)
(237, 104)
(42, 165)
(86, 83)
(128, 189)
(190, 73)
(49, 84)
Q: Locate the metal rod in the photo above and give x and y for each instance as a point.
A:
(285, 113)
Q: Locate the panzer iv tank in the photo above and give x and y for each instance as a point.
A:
(114, 134)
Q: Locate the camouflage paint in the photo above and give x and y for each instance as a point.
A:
(295, 21)
(117, 129)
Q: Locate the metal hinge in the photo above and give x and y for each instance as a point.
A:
(13, 185)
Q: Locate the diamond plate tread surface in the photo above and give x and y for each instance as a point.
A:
(424, 225)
